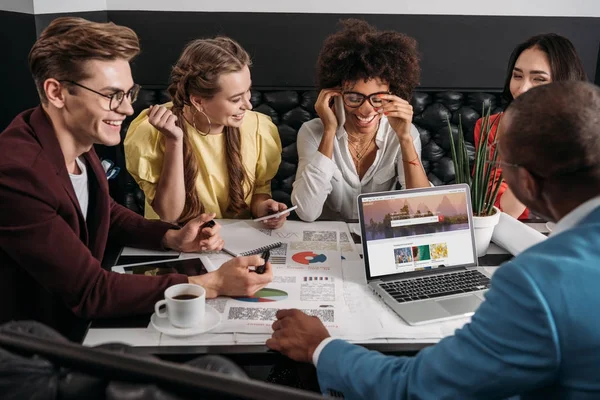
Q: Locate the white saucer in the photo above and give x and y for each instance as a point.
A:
(212, 318)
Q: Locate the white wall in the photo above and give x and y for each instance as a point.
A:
(567, 8)
(22, 6)
(557, 8)
(63, 6)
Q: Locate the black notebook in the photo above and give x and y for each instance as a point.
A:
(241, 239)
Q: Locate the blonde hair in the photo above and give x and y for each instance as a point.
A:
(196, 73)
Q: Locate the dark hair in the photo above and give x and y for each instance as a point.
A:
(359, 51)
(197, 73)
(553, 131)
(68, 42)
(565, 64)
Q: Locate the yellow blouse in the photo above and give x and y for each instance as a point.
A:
(260, 150)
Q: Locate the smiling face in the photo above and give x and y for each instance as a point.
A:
(364, 119)
(531, 69)
(229, 105)
(86, 114)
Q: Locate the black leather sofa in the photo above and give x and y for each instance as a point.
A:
(289, 109)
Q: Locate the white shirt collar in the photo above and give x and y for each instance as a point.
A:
(575, 216)
(379, 137)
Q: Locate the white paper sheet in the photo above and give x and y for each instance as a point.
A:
(310, 281)
(515, 236)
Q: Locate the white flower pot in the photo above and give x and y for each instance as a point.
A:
(484, 228)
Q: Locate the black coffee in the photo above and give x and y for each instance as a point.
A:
(185, 297)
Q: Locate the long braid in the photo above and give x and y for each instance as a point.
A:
(192, 207)
(236, 170)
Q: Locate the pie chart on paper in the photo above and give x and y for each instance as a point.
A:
(308, 257)
(264, 296)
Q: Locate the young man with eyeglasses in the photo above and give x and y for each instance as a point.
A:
(364, 140)
(56, 211)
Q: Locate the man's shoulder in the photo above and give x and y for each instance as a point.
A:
(560, 258)
(21, 145)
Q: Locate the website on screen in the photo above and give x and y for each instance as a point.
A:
(419, 231)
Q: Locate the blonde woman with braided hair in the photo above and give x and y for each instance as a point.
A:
(206, 151)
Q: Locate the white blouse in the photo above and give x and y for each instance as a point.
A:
(327, 188)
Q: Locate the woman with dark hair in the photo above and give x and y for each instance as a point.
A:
(206, 151)
(539, 60)
(363, 140)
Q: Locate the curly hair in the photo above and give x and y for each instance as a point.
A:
(197, 72)
(359, 51)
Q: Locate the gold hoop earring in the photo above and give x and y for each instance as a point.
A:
(205, 116)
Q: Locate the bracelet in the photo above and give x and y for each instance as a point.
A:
(413, 161)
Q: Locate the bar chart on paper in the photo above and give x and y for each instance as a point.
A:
(265, 295)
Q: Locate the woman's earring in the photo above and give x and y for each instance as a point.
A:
(205, 116)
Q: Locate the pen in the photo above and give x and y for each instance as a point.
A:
(261, 268)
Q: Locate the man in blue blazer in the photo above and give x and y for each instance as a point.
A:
(538, 332)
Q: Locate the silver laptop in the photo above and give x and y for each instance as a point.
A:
(419, 252)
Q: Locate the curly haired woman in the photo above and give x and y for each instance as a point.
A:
(371, 145)
(206, 151)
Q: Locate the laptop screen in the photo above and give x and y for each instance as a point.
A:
(416, 230)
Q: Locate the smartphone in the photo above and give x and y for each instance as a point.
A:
(276, 215)
(338, 109)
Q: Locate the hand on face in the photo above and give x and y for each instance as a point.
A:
(191, 238)
(164, 120)
(235, 279)
(324, 110)
(270, 206)
(297, 335)
(399, 113)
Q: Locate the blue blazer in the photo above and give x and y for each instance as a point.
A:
(537, 335)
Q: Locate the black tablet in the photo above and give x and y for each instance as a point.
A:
(188, 266)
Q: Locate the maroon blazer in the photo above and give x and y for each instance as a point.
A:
(49, 255)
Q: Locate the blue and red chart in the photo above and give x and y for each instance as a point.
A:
(308, 257)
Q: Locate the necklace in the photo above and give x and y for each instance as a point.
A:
(360, 151)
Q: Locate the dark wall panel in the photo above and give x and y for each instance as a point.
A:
(43, 20)
(457, 51)
(18, 90)
(462, 52)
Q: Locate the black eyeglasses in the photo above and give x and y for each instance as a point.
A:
(355, 99)
(116, 99)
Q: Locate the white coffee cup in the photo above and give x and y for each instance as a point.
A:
(185, 305)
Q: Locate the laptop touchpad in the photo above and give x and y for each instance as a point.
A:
(461, 305)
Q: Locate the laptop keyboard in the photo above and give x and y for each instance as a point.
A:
(436, 285)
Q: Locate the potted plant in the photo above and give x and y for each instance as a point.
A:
(484, 179)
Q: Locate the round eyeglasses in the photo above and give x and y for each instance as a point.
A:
(116, 98)
(355, 99)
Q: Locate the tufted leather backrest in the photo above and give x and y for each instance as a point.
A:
(289, 109)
